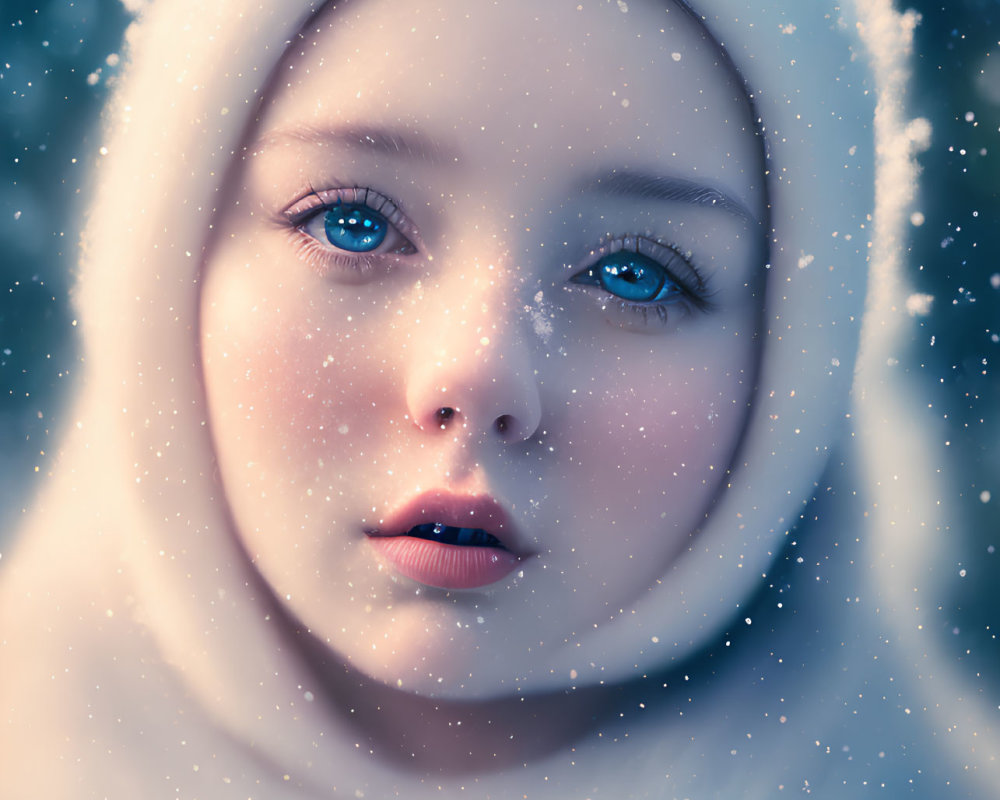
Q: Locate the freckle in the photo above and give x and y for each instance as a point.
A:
(484, 341)
(343, 429)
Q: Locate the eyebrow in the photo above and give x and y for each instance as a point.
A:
(615, 183)
(668, 188)
(376, 140)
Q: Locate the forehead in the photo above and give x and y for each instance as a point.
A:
(642, 79)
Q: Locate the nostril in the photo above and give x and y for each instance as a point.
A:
(503, 422)
(443, 416)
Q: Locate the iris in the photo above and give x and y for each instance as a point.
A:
(631, 276)
(354, 228)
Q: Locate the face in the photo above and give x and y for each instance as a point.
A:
(479, 327)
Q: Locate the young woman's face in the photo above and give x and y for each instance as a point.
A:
(479, 327)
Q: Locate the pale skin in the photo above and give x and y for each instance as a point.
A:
(500, 135)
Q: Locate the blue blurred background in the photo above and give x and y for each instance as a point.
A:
(56, 61)
(59, 58)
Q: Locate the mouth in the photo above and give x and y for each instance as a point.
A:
(449, 534)
(449, 541)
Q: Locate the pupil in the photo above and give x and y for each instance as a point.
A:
(354, 228)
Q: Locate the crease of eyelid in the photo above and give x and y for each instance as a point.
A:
(667, 188)
(383, 141)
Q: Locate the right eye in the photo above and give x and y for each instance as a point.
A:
(351, 234)
(356, 228)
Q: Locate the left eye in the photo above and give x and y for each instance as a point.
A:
(633, 277)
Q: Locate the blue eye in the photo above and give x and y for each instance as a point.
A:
(632, 277)
(350, 234)
(354, 228)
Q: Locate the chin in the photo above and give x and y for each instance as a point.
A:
(453, 661)
(442, 650)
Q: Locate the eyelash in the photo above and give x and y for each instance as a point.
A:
(361, 266)
(694, 294)
(327, 259)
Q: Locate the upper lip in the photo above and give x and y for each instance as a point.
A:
(457, 510)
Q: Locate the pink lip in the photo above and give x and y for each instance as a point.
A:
(448, 566)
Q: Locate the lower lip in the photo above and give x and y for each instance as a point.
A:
(446, 566)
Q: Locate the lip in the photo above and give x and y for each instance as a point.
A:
(449, 566)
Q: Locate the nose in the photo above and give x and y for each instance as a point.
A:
(484, 382)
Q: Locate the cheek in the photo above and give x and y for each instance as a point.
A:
(303, 414)
(679, 395)
(648, 445)
(681, 431)
(640, 469)
(294, 386)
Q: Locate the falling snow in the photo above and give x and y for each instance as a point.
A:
(61, 60)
